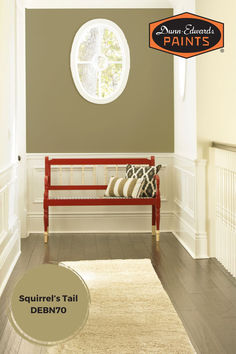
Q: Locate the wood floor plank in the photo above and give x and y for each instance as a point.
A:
(226, 337)
(221, 305)
(77, 247)
(39, 254)
(116, 250)
(52, 248)
(103, 246)
(147, 240)
(90, 247)
(139, 245)
(126, 246)
(202, 337)
(64, 249)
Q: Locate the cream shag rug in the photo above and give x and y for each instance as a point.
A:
(130, 312)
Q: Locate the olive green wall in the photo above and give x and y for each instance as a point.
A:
(60, 120)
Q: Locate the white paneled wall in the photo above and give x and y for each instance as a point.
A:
(225, 208)
(9, 225)
(182, 198)
(189, 197)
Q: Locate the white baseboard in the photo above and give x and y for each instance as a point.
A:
(195, 244)
(110, 222)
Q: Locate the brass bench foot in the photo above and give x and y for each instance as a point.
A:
(46, 237)
(157, 235)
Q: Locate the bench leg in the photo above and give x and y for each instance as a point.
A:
(153, 221)
(45, 225)
(157, 223)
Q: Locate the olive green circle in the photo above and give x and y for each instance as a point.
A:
(49, 287)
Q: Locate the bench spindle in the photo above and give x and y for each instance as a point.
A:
(105, 175)
(71, 175)
(60, 175)
(82, 175)
(94, 175)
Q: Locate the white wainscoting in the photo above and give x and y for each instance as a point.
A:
(97, 218)
(182, 199)
(189, 199)
(9, 223)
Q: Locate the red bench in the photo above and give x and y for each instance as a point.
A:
(48, 201)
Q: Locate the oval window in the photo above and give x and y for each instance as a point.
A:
(100, 61)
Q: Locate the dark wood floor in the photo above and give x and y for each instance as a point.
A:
(202, 292)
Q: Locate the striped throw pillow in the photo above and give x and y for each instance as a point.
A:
(124, 187)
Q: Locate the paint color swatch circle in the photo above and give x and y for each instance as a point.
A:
(50, 304)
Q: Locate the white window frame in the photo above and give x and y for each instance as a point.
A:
(125, 60)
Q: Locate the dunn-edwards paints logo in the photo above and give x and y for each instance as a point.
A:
(186, 35)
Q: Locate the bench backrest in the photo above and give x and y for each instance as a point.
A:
(90, 162)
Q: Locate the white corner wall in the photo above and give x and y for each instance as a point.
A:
(185, 106)
(9, 223)
(189, 173)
